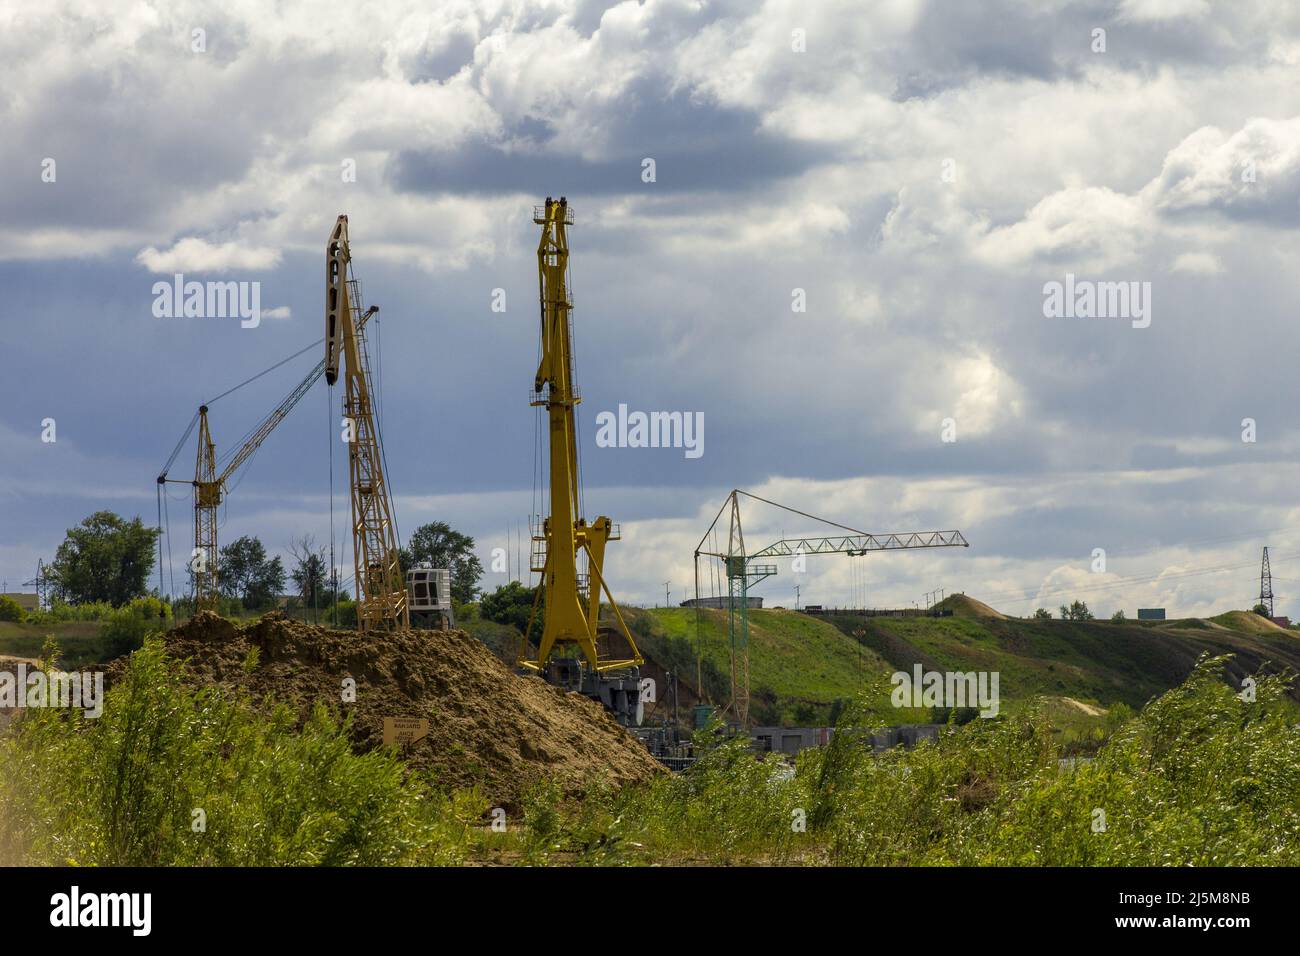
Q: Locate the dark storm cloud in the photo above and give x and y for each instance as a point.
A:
(696, 147)
(954, 44)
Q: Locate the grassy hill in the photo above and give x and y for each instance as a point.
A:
(801, 665)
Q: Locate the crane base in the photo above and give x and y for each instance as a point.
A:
(619, 694)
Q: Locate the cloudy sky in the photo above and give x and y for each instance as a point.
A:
(839, 261)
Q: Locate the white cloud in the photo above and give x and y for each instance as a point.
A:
(1255, 172)
(1092, 227)
(971, 389)
(1197, 263)
(193, 254)
(1158, 10)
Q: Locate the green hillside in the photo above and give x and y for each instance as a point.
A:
(801, 665)
(1097, 661)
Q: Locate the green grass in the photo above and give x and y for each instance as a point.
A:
(1091, 661)
(798, 665)
(175, 775)
(81, 642)
(170, 775)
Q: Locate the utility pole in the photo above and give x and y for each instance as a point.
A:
(42, 584)
(667, 593)
(1266, 584)
(796, 597)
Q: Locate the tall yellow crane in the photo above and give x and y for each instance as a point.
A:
(567, 542)
(210, 488)
(381, 592)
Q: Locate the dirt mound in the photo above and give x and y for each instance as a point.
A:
(9, 665)
(963, 606)
(1247, 622)
(487, 725)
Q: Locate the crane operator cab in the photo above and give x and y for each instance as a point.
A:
(429, 597)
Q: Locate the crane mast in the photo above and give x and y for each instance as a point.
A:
(571, 599)
(743, 569)
(207, 497)
(210, 487)
(381, 592)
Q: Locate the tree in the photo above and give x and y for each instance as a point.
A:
(1043, 614)
(438, 545)
(105, 558)
(11, 610)
(1261, 610)
(244, 571)
(1077, 611)
(1118, 617)
(310, 574)
(511, 603)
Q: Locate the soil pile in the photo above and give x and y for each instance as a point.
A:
(487, 725)
(10, 665)
(963, 606)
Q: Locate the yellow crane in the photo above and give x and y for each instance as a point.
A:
(565, 542)
(211, 488)
(381, 592)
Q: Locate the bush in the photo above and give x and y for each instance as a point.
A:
(512, 604)
(1198, 778)
(127, 627)
(60, 612)
(346, 615)
(174, 776)
(11, 610)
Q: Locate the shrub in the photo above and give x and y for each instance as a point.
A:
(11, 610)
(126, 627)
(174, 776)
(346, 614)
(60, 612)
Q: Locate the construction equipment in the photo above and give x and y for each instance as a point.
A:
(381, 592)
(564, 542)
(211, 488)
(743, 570)
(429, 592)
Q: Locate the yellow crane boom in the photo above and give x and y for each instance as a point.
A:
(381, 592)
(210, 488)
(572, 604)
